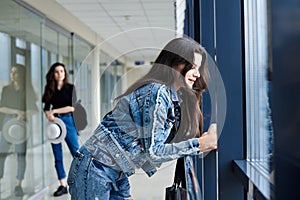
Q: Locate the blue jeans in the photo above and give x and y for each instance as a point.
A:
(72, 142)
(90, 179)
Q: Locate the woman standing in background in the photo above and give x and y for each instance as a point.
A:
(59, 96)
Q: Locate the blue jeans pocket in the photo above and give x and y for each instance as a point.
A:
(74, 168)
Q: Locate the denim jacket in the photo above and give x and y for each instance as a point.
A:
(134, 133)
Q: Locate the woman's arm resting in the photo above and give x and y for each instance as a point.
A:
(50, 113)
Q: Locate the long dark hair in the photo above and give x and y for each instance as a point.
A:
(180, 51)
(51, 83)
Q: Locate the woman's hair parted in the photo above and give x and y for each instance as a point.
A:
(51, 83)
(164, 70)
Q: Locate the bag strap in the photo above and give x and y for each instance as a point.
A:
(179, 178)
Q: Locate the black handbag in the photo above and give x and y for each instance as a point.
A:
(80, 116)
(178, 190)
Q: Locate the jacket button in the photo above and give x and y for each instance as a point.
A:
(117, 155)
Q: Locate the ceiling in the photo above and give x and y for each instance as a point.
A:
(136, 28)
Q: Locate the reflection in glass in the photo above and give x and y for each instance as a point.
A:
(31, 40)
(17, 105)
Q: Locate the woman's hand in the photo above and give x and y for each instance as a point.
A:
(50, 115)
(209, 140)
(21, 115)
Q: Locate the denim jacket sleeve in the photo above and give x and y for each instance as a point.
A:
(161, 127)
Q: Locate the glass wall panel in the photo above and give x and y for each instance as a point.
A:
(19, 104)
(258, 77)
(110, 71)
(82, 75)
(64, 53)
(29, 44)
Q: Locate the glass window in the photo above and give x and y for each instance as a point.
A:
(110, 71)
(20, 59)
(4, 56)
(82, 73)
(258, 77)
(20, 43)
(32, 43)
(20, 160)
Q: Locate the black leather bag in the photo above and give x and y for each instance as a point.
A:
(80, 116)
(178, 190)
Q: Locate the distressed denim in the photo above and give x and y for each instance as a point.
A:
(90, 179)
(72, 142)
(133, 135)
(137, 129)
